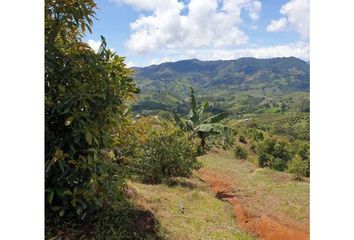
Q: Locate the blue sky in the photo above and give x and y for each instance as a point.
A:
(153, 31)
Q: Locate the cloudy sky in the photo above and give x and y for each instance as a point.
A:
(154, 31)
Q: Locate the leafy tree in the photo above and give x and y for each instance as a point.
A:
(304, 152)
(166, 153)
(199, 126)
(85, 95)
(274, 153)
(299, 167)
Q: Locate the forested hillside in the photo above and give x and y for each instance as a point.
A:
(245, 85)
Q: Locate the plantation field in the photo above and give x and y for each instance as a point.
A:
(294, 124)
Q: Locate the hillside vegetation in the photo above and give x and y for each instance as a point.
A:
(241, 86)
(161, 152)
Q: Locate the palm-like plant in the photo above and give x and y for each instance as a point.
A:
(196, 125)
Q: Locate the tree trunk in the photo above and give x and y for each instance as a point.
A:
(202, 141)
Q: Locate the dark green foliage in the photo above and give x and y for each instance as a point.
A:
(167, 153)
(240, 152)
(85, 94)
(303, 150)
(274, 153)
(242, 139)
(299, 167)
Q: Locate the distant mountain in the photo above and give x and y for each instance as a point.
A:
(167, 84)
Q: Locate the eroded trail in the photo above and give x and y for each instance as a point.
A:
(260, 224)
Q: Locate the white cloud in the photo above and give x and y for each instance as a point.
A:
(208, 23)
(300, 50)
(95, 45)
(296, 16)
(151, 5)
(130, 64)
(277, 25)
(157, 61)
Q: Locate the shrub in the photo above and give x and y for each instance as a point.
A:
(303, 150)
(274, 153)
(131, 136)
(298, 167)
(241, 152)
(85, 95)
(242, 139)
(167, 153)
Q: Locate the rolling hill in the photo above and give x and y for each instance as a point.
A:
(245, 85)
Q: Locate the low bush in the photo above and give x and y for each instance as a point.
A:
(167, 153)
(131, 136)
(240, 152)
(298, 167)
(274, 153)
(303, 150)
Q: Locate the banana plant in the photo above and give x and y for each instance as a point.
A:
(199, 126)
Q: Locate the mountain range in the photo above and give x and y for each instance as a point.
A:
(223, 82)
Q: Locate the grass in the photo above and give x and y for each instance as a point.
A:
(204, 217)
(272, 192)
(265, 192)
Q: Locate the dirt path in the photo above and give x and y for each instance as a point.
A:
(263, 226)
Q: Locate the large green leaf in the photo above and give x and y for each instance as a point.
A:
(216, 118)
(69, 120)
(205, 128)
(88, 137)
(204, 106)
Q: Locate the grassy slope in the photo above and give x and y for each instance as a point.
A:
(205, 217)
(273, 193)
(265, 192)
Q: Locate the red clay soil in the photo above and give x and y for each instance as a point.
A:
(262, 226)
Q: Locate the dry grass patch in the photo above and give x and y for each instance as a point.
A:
(203, 216)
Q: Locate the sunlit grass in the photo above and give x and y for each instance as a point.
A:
(204, 217)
